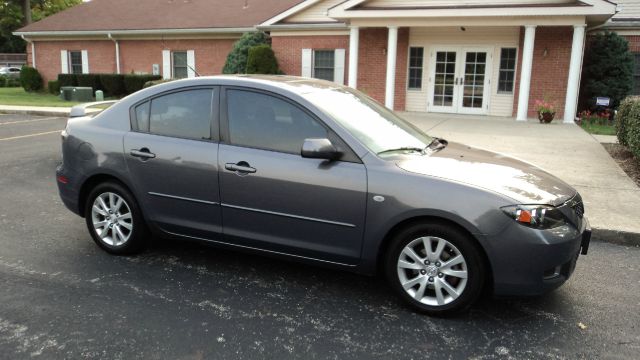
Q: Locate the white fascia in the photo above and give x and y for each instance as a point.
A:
(135, 32)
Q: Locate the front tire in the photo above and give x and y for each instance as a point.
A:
(114, 219)
(435, 268)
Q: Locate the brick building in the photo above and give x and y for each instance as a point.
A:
(470, 57)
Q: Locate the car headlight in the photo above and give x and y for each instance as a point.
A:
(536, 216)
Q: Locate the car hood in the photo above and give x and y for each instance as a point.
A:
(516, 179)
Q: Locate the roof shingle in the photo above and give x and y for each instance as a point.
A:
(98, 15)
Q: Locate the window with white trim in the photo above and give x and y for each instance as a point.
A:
(416, 59)
(324, 64)
(75, 62)
(180, 68)
(506, 81)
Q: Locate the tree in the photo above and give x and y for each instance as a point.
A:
(237, 59)
(262, 60)
(12, 17)
(608, 69)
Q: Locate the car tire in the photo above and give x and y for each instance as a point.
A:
(114, 219)
(430, 283)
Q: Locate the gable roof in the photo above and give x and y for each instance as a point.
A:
(105, 15)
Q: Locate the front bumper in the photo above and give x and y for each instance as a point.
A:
(529, 262)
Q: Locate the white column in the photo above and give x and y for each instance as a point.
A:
(392, 52)
(33, 54)
(525, 73)
(575, 66)
(354, 40)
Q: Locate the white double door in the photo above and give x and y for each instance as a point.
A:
(460, 80)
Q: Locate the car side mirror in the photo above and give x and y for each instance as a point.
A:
(319, 149)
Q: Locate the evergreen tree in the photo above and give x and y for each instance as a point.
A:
(237, 59)
(262, 60)
(608, 69)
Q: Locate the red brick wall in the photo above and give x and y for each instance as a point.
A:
(550, 72)
(288, 50)
(634, 43)
(101, 56)
(135, 55)
(138, 56)
(372, 59)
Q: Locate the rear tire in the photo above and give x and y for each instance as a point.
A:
(442, 280)
(114, 219)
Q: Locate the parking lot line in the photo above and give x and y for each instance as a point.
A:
(28, 121)
(30, 135)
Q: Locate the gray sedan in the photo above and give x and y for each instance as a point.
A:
(312, 171)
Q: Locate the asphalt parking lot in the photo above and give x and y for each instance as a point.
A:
(62, 297)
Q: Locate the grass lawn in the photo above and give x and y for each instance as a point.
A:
(598, 129)
(17, 96)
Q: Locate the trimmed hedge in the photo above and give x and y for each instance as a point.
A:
(262, 60)
(133, 83)
(54, 87)
(89, 80)
(30, 79)
(68, 80)
(114, 85)
(628, 124)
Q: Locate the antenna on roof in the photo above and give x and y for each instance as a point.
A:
(194, 70)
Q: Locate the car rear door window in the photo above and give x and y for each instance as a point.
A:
(185, 114)
(263, 121)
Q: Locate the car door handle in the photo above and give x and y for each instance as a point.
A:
(143, 153)
(241, 167)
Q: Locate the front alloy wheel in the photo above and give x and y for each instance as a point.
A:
(435, 267)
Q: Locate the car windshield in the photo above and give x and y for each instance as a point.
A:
(379, 129)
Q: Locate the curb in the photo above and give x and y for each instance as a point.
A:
(616, 237)
(62, 113)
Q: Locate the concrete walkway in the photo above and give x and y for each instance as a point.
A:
(566, 151)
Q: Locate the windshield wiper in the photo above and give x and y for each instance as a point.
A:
(412, 149)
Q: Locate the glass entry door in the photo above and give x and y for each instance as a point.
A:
(460, 80)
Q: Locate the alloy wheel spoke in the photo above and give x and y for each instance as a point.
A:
(100, 224)
(461, 274)
(407, 265)
(434, 255)
(118, 204)
(412, 254)
(449, 289)
(119, 233)
(439, 294)
(125, 225)
(126, 216)
(453, 262)
(411, 283)
(420, 292)
(111, 201)
(97, 209)
(105, 232)
(103, 204)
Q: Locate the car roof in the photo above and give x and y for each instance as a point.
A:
(295, 84)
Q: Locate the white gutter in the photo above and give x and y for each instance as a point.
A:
(33, 51)
(136, 32)
(117, 53)
(325, 26)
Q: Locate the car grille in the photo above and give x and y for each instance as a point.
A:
(577, 205)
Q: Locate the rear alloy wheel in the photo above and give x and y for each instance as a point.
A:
(113, 219)
(435, 268)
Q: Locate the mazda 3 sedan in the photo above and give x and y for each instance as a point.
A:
(316, 172)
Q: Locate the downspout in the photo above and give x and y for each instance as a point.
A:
(117, 53)
(33, 51)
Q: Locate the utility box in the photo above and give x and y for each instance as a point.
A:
(99, 95)
(76, 93)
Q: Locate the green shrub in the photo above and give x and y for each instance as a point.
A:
(67, 80)
(30, 79)
(236, 62)
(54, 87)
(3, 81)
(621, 118)
(12, 82)
(632, 128)
(89, 80)
(113, 84)
(133, 83)
(262, 60)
